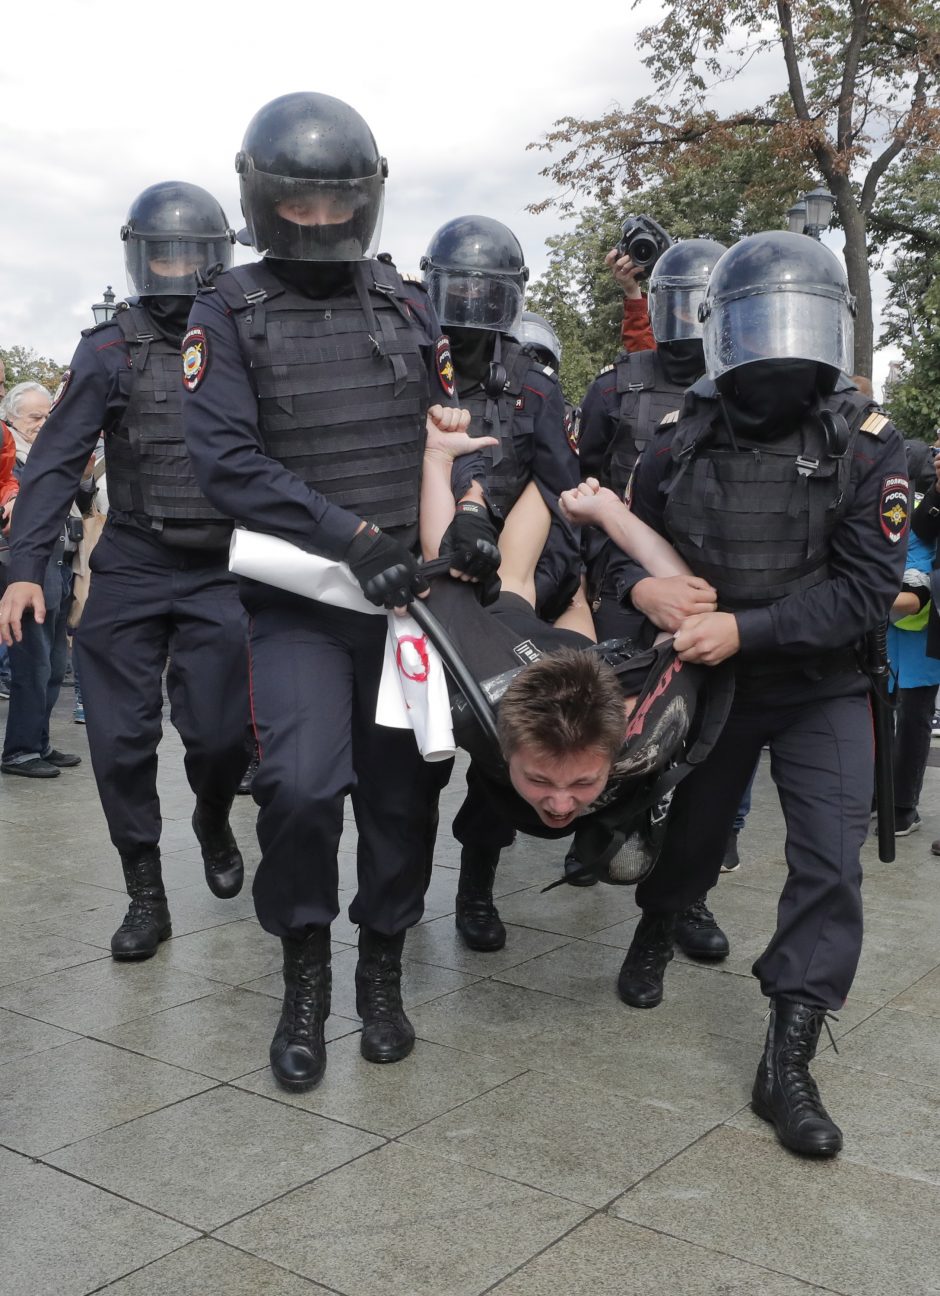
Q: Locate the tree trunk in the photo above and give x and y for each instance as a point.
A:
(856, 264)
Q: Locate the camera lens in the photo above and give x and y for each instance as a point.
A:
(643, 251)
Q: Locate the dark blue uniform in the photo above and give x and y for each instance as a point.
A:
(149, 600)
(315, 669)
(797, 688)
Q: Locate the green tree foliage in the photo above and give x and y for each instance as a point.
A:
(857, 100)
(738, 193)
(24, 365)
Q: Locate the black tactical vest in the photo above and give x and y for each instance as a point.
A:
(149, 471)
(494, 416)
(342, 385)
(646, 397)
(755, 521)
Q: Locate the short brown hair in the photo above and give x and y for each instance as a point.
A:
(568, 701)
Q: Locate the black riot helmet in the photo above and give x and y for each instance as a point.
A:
(312, 180)
(475, 275)
(777, 296)
(173, 231)
(538, 336)
(677, 288)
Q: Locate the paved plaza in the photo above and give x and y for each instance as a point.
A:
(542, 1139)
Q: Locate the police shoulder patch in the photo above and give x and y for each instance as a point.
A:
(195, 357)
(445, 365)
(61, 389)
(875, 424)
(893, 507)
(573, 427)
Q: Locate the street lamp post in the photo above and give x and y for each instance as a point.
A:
(812, 214)
(104, 310)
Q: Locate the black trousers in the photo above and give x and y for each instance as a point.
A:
(315, 674)
(147, 603)
(821, 759)
(914, 717)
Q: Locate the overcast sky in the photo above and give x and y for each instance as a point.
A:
(100, 100)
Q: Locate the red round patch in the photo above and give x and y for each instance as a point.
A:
(422, 667)
(893, 509)
(195, 357)
(445, 365)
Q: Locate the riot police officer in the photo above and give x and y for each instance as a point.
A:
(309, 375)
(476, 275)
(620, 413)
(786, 489)
(543, 343)
(161, 585)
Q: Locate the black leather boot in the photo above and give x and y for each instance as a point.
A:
(221, 858)
(387, 1034)
(476, 917)
(244, 787)
(640, 983)
(298, 1050)
(147, 921)
(698, 935)
(785, 1094)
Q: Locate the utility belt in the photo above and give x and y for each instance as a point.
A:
(819, 666)
(180, 535)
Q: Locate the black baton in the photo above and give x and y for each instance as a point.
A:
(877, 669)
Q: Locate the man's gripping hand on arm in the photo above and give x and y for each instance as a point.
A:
(20, 597)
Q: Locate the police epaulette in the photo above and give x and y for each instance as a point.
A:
(875, 424)
(671, 417)
(607, 369)
(549, 372)
(413, 278)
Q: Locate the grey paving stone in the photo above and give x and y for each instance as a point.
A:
(568, 911)
(889, 966)
(65, 1237)
(223, 1035)
(888, 1124)
(922, 997)
(389, 1100)
(438, 942)
(31, 901)
(233, 952)
(21, 1036)
(52, 1098)
(529, 1130)
(192, 908)
(843, 1226)
(631, 1054)
(97, 995)
(608, 1257)
(210, 1159)
(209, 1268)
(895, 1043)
(397, 1223)
(25, 955)
(491, 1018)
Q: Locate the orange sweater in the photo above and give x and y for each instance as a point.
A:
(635, 331)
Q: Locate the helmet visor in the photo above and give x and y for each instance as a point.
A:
(808, 323)
(313, 220)
(161, 266)
(537, 334)
(464, 299)
(674, 311)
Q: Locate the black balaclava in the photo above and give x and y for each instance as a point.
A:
(769, 397)
(314, 278)
(471, 351)
(683, 361)
(170, 314)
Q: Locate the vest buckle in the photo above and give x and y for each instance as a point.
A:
(806, 466)
(255, 297)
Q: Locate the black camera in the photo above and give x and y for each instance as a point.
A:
(643, 241)
(73, 529)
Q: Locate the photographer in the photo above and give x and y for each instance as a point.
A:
(642, 243)
(38, 660)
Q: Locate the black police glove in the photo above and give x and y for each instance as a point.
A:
(471, 541)
(389, 575)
